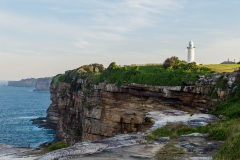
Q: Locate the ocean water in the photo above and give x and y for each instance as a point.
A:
(18, 105)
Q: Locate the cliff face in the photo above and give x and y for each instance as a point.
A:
(40, 84)
(30, 82)
(43, 84)
(95, 112)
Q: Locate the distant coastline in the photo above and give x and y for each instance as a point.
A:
(40, 84)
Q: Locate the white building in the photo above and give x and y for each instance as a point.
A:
(191, 52)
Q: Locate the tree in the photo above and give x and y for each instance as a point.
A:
(112, 66)
(171, 62)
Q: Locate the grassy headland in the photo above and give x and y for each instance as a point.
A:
(220, 68)
(151, 75)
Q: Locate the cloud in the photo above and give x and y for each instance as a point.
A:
(81, 43)
(120, 16)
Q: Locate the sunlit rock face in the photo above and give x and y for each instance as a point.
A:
(161, 118)
(81, 149)
(95, 112)
(134, 147)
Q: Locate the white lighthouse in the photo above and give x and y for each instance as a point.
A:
(190, 52)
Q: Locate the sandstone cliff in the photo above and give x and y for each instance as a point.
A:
(43, 84)
(82, 111)
(40, 84)
(30, 82)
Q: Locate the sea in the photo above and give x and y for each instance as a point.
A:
(18, 105)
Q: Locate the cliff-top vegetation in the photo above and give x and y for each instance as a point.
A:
(82, 72)
(171, 73)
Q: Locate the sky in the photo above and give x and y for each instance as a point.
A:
(41, 38)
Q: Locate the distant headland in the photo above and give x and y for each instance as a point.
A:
(40, 84)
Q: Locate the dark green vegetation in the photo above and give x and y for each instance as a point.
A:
(173, 75)
(173, 62)
(227, 129)
(83, 72)
(152, 75)
(221, 84)
(231, 126)
(230, 150)
(57, 145)
(230, 107)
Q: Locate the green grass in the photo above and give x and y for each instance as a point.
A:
(151, 75)
(216, 131)
(55, 79)
(220, 68)
(230, 150)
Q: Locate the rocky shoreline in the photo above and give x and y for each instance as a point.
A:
(8, 152)
(128, 146)
(41, 122)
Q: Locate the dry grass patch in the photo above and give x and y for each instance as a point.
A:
(222, 67)
(171, 152)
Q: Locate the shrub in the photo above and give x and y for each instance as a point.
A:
(171, 62)
(112, 66)
(57, 145)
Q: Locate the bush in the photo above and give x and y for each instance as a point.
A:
(112, 66)
(171, 62)
(57, 145)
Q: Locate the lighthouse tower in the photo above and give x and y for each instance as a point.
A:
(190, 52)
